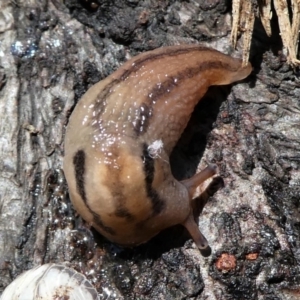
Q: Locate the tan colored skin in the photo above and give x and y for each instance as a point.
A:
(126, 192)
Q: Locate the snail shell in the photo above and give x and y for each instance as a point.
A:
(50, 282)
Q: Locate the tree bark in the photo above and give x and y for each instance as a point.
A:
(50, 53)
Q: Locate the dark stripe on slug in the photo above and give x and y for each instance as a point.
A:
(165, 86)
(172, 82)
(149, 167)
(100, 223)
(79, 168)
(117, 189)
(158, 204)
(122, 212)
(152, 57)
(169, 84)
(138, 63)
(142, 119)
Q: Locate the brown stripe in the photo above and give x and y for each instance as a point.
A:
(143, 119)
(102, 96)
(158, 204)
(170, 83)
(117, 192)
(123, 212)
(114, 181)
(151, 57)
(99, 222)
(79, 168)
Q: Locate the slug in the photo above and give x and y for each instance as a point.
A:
(120, 136)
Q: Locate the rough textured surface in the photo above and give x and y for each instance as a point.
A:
(50, 53)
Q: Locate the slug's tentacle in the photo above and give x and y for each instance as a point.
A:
(190, 224)
(192, 183)
(195, 233)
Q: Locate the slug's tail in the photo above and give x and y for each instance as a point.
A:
(231, 76)
(243, 72)
(190, 224)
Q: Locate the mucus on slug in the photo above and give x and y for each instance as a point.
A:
(116, 181)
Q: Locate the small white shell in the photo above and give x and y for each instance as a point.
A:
(50, 282)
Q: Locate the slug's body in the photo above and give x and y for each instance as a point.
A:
(122, 132)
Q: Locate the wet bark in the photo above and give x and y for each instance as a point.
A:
(50, 54)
